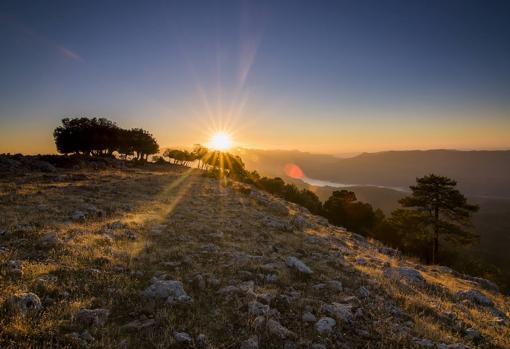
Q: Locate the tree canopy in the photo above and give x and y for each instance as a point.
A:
(102, 137)
(442, 208)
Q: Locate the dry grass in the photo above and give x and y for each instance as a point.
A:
(172, 217)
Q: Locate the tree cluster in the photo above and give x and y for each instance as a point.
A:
(435, 211)
(102, 137)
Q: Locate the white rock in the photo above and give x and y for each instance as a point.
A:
(408, 274)
(166, 289)
(137, 325)
(182, 337)
(325, 325)
(295, 263)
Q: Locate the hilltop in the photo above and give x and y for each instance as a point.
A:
(109, 254)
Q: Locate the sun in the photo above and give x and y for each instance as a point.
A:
(220, 141)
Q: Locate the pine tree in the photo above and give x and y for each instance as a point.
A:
(445, 210)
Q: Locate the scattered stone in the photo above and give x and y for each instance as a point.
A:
(271, 278)
(335, 285)
(361, 261)
(13, 268)
(408, 274)
(201, 341)
(213, 282)
(256, 308)
(308, 317)
(182, 338)
(49, 241)
(476, 297)
(129, 234)
(78, 216)
(298, 222)
(198, 282)
(171, 290)
(487, 284)
(295, 263)
(25, 302)
(278, 330)
(250, 343)
(247, 286)
(88, 318)
(389, 251)
(278, 208)
(342, 312)
(473, 335)
(318, 346)
(138, 325)
(364, 292)
(325, 325)
(424, 343)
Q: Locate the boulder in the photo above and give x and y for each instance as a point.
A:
(78, 216)
(137, 325)
(404, 273)
(256, 308)
(325, 325)
(342, 312)
(49, 241)
(475, 297)
(95, 318)
(25, 302)
(486, 284)
(13, 268)
(276, 329)
(296, 264)
(308, 317)
(182, 338)
(171, 290)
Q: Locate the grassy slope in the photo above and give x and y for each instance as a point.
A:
(177, 216)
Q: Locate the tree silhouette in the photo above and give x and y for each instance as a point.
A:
(343, 209)
(443, 208)
(102, 137)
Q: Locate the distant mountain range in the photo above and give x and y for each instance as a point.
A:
(483, 176)
(478, 173)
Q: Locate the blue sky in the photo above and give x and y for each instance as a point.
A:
(322, 76)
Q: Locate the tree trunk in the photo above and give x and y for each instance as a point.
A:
(435, 247)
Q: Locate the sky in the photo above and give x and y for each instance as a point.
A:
(319, 76)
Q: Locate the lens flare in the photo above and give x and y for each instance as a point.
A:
(220, 141)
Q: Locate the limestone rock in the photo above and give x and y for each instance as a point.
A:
(250, 343)
(475, 297)
(276, 329)
(295, 263)
(87, 318)
(171, 290)
(325, 325)
(404, 273)
(26, 302)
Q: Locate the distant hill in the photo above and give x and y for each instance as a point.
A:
(478, 173)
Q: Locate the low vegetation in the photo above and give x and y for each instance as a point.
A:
(159, 256)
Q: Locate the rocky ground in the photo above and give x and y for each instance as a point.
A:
(163, 257)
